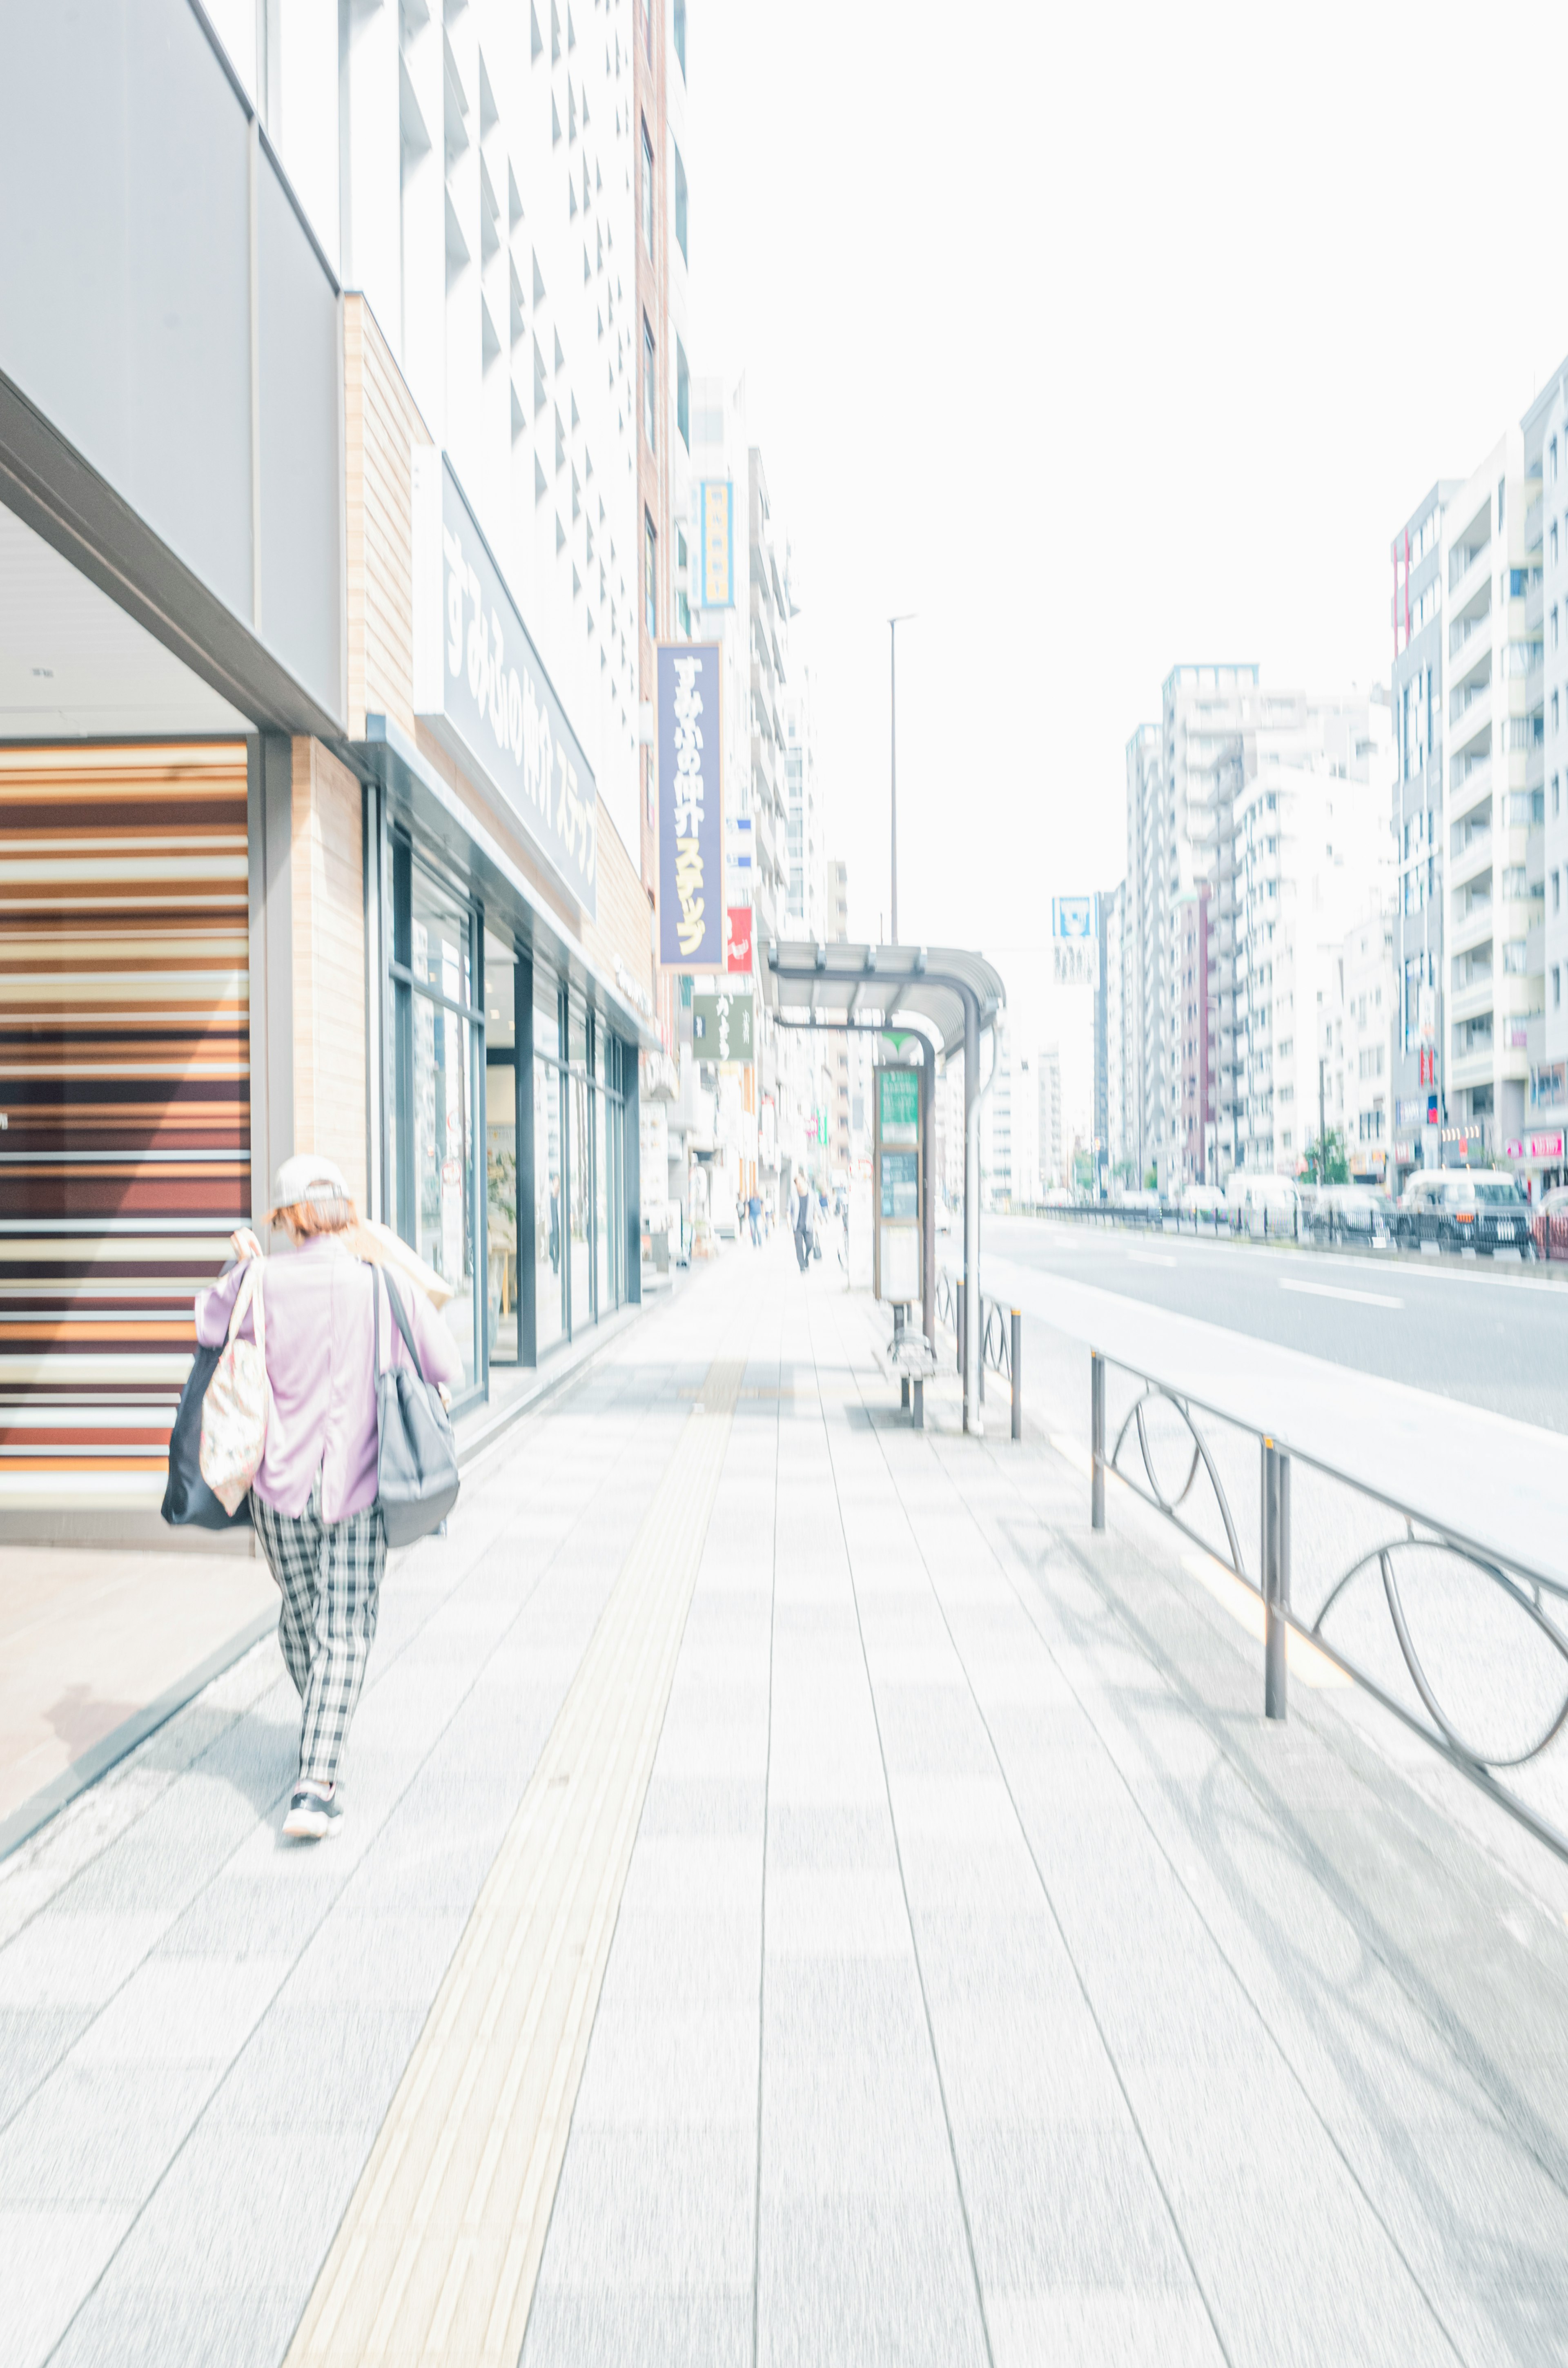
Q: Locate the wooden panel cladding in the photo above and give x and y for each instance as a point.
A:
(623, 926)
(326, 871)
(125, 1087)
(382, 424)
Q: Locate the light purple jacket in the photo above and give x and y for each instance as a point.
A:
(318, 1317)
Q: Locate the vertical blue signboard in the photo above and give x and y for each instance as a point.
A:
(691, 815)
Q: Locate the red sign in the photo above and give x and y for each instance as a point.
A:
(1534, 1147)
(737, 937)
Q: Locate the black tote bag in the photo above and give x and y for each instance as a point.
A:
(189, 1502)
(417, 1478)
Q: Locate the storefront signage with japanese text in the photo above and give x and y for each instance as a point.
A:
(721, 1027)
(479, 683)
(716, 544)
(691, 819)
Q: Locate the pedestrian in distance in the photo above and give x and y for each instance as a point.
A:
(754, 1210)
(313, 1496)
(802, 1223)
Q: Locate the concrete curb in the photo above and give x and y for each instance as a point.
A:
(102, 1756)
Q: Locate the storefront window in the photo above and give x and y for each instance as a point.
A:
(433, 1196)
(443, 1161)
(549, 1311)
(580, 1153)
(605, 1298)
(501, 1149)
(509, 1185)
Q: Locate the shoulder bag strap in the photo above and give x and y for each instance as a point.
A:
(249, 1290)
(401, 1320)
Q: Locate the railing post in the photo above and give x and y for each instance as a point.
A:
(1016, 1360)
(961, 1336)
(1276, 1560)
(1096, 1440)
(980, 1379)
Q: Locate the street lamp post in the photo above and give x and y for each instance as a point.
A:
(893, 624)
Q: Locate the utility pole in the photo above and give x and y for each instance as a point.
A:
(893, 624)
(1323, 1129)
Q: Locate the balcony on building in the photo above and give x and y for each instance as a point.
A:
(1467, 551)
(1476, 618)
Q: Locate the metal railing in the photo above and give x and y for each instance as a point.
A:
(1530, 1233)
(1384, 1583)
(1000, 1340)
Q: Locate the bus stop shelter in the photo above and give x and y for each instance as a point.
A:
(952, 998)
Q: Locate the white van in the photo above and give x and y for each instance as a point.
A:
(1262, 1205)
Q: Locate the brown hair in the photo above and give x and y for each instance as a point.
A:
(330, 1212)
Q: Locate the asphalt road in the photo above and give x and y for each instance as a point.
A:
(1490, 1338)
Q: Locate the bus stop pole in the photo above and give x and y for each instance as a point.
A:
(928, 1193)
(973, 1421)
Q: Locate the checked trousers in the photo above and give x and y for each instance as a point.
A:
(329, 1575)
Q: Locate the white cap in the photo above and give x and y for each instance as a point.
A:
(309, 1176)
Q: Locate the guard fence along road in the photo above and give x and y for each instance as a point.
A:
(1528, 1235)
(1468, 1648)
(1000, 1340)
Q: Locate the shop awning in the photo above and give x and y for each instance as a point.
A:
(816, 985)
(418, 790)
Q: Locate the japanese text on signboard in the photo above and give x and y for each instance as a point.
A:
(691, 885)
(484, 689)
(737, 946)
(721, 1027)
(716, 554)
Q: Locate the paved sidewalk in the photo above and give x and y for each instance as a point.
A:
(95, 1644)
(804, 1899)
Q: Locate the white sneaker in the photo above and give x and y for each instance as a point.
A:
(313, 1815)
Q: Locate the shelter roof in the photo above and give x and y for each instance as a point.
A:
(840, 985)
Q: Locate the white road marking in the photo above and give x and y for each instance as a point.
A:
(1148, 1258)
(1339, 1291)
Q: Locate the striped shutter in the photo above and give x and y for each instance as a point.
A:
(125, 1091)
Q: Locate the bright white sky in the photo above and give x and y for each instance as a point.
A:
(1104, 338)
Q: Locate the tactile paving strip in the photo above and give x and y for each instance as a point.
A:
(438, 2252)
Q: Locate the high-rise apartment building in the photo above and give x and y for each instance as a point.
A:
(1546, 1115)
(1311, 855)
(1203, 713)
(996, 1178)
(1198, 973)
(1120, 1101)
(1182, 779)
(1419, 1068)
(1358, 1039)
(805, 872)
(837, 901)
(1494, 804)
(1143, 920)
(1048, 1094)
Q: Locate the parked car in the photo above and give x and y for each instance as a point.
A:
(1147, 1205)
(1262, 1204)
(1553, 1204)
(1461, 1208)
(1352, 1212)
(1196, 1200)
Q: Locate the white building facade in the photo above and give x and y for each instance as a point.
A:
(1311, 838)
(1493, 805)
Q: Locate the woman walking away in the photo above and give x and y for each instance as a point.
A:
(313, 1497)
